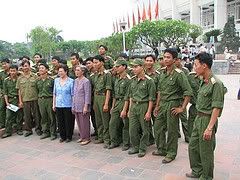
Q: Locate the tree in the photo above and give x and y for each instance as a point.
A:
(195, 31)
(6, 50)
(230, 38)
(44, 40)
(213, 33)
(20, 49)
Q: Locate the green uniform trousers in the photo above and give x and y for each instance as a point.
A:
(192, 115)
(201, 152)
(102, 119)
(118, 127)
(31, 115)
(48, 120)
(184, 122)
(138, 126)
(2, 112)
(13, 119)
(166, 122)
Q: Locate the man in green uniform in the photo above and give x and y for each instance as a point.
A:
(102, 87)
(119, 123)
(209, 106)
(45, 98)
(149, 62)
(11, 98)
(194, 82)
(142, 93)
(75, 61)
(55, 66)
(108, 62)
(3, 74)
(173, 86)
(28, 96)
(37, 58)
(183, 115)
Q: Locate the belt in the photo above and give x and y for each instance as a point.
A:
(100, 94)
(203, 114)
(139, 102)
(44, 97)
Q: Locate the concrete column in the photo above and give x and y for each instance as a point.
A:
(220, 13)
(195, 13)
(175, 13)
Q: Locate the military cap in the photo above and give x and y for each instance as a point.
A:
(45, 65)
(136, 62)
(120, 62)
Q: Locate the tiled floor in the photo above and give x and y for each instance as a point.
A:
(31, 158)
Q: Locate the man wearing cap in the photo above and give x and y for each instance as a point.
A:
(28, 96)
(149, 61)
(183, 115)
(142, 93)
(3, 74)
(119, 123)
(108, 62)
(45, 97)
(55, 66)
(210, 101)
(11, 98)
(172, 87)
(102, 87)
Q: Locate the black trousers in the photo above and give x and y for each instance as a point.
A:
(65, 123)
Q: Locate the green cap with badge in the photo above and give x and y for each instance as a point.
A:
(137, 62)
(120, 62)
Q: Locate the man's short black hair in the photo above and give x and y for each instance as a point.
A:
(26, 57)
(99, 57)
(57, 58)
(38, 55)
(24, 62)
(76, 55)
(6, 60)
(45, 65)
(89, 59)
(150, 55)
(172, 51)
(43, 61)
(13, 66)
(205, 58)
(105, 47)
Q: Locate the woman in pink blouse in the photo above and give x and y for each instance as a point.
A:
(81, 104)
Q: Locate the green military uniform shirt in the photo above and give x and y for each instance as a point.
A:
(54, 72)
(28, 87)
(142, 90)
(173, 86)
(185, 70)
(45, 87)
(108, 63)
(3, 75)
(194, 82)
(121, 87)
(71, 73)
(102, 82)
(9, 88)
(154, 75)
(210, 95)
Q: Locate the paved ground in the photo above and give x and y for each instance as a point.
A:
(31, 158)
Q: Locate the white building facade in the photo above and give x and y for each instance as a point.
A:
(206, 13)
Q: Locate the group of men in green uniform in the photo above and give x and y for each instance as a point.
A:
(135, 106)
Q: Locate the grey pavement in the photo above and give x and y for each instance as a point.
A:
(31, 158)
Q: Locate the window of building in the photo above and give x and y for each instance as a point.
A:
(233, 9)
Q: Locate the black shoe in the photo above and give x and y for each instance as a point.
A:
(98, 141)
(28, 133)
(68, 140)
(133, 151)
(167, 160)
(53, 138)
(141, 154)
(125, 148)
(112, 146)
(38, 132)
(44, 136)
(191, 175)
(94, 134)
(106, 146)
(5, 135)
(187, 140)
(158, 153)
(20, 132)
(61, 140)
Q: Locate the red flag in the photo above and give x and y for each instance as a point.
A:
(149, 11)
(156, 11)
(117, 26)
(129, 25)
(133, 20)
(144, 16)
(139, 16)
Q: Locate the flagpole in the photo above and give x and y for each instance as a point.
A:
(123, 27)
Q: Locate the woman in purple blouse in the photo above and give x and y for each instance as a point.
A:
(81, 104)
